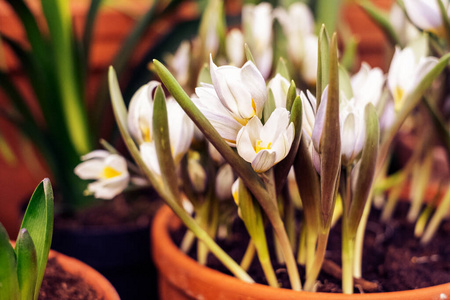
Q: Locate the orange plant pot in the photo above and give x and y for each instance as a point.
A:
(182, 278)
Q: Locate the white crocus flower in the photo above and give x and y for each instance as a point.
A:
(257, 24)
(352, 127)
(265, 146)
(298, 26)
(236, 95)
(405, 30)
(109, 170)
(367, 84)
(309, 104)
(279, 87)
(140, 114)
(235, 47)
(405, 73)
(426, 14)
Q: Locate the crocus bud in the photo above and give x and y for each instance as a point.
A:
(109, 170)
(224, 182)
(140, 113)
(257, 22)
(235, 47)
(197, 173)
(367, 84)
(265, 146)
(179, 63)
(279, 87)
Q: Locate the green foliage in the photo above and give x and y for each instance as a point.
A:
(22, 268)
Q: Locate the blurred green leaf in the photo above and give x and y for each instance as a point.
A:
(291, 95)
(9, 288)
(345, 84)
(348, 58)
(269, 106)
(327, 13)
(57, 14)
(38, 220)
(382, 19)
(248, 54)
(26, 265)
(282, 68)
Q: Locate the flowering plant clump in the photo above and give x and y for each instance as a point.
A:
(243, 130)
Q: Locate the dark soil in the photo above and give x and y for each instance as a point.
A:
(133, 209)
(393, 258)
(61, 285)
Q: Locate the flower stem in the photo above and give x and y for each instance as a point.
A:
(248, 256)
(314, 270)
(301, 255)
(436, 220)
(348, 246)
(359, 240)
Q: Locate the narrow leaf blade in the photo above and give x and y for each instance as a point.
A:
(38, 220)
(9, 288)
(26, 264)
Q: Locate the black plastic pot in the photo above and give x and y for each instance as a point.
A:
(122, 255)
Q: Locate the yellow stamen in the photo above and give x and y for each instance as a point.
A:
(398, 96)
(109, 172)
(254, 107)
(259, 147)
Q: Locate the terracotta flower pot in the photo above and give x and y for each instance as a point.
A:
(93, 278)
(181, 277)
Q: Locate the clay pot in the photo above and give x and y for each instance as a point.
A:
(182, 278)
(99, 283)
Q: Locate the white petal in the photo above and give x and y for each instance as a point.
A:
(275, 125)
(254, 81)
(95, 154)
(91, 169)
(148, 153)
(425, 14)
(348, 137)
(235, 47)
(279, 87)
(320, 120)
(263, 161)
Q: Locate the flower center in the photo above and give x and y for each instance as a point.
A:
(398, 95)
(145, 131)
(109, 172)
(259, 147)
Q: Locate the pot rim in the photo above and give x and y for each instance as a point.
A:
(91, 276)
(169, 259)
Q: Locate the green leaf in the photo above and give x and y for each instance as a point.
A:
(308, 185)
(348, 59)
(26, 265)
(382, 19)
(6, 152)
(291, 95)
(38, 220)
(204, 76)
(269, 106)
(9, 287)
(282, 68)
(162, 143)
(248, 54)
(439, 125)
(57, 14)
(323, 64)
(345, 84)
(327, 13)
(366, 169)
(446, 21)
(89, 28)
(330, 141)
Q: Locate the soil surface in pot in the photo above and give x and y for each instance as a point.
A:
(135, 209)
(61, 285)
(393, 259)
